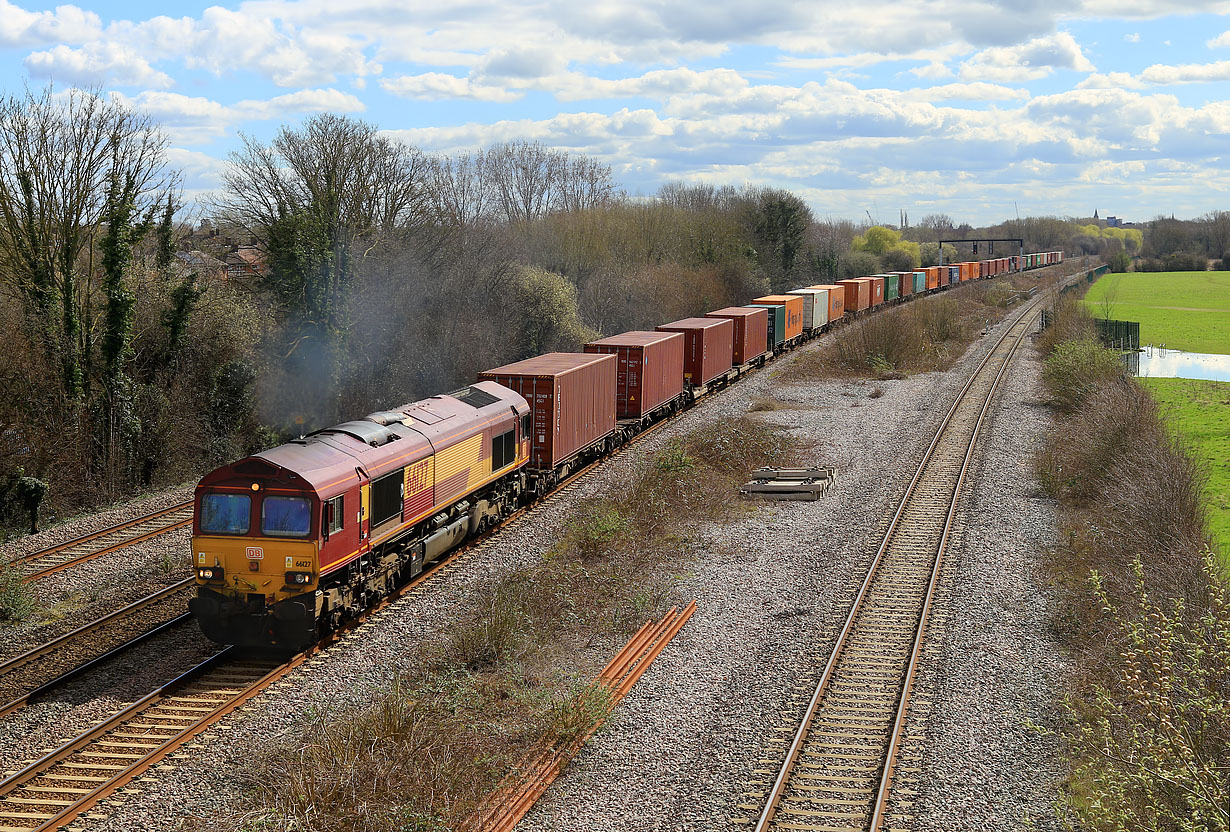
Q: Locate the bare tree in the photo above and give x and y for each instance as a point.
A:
(527, 176)
(58, 155)
(460, 191)
(339, 168)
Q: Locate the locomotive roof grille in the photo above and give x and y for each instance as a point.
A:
(474, 397)
(366, 432)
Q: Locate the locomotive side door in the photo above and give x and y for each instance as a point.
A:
(365, 499)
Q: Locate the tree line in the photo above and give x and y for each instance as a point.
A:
(386, 274)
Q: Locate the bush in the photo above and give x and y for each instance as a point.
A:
(16, 599)
(899, 260)
(1120, 261)
(859, 264)
(1076, 369)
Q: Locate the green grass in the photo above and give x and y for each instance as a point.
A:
(1183, 310)
(1200, 412)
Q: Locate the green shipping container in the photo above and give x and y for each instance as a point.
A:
(777, 321)
(920, 281)
(892, 286)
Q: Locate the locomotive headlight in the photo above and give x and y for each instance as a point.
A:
(210, 573)
(298, 578)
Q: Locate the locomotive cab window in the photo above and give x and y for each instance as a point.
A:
(333, 515)
(527, 425)
(503, 450)
(226, 513)
(286, 516)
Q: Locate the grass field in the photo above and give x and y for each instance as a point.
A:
(1183, 310)
(1200, 412)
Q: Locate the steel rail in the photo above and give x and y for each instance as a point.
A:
(99, 537)
(778, 788)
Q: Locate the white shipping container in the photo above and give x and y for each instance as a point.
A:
(815, 307)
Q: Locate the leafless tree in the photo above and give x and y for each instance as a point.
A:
(460, 191)
(531, 180)
(341, 169)
(58, 153)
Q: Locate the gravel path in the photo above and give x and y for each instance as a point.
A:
(683, 743)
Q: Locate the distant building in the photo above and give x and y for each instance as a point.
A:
(245, 263)
(205, 266)
(1114, 222)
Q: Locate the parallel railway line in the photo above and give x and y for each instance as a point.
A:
(50, 665)
(71, 779)
(838, 770)
(104, 541)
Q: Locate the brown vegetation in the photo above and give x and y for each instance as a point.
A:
(1142, 608)
(506, 677)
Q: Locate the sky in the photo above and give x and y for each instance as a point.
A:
(980, 109)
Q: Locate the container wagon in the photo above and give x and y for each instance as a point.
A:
(815, 307)
(858, 294)
(649, 374)
(708, 349)
(794, 315)
(751, 334)
(837, 299)
(572, 404)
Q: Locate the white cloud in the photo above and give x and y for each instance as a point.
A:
(1132, 38)
(1221, 40)
(1029, 61)
(976, 91)
(1162, 74)
(196, 120)
(70, 24)
(436, 86)
(97, 63)
(1110, 81)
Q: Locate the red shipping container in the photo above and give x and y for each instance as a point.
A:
(837, 299)
(751, 336)
(650, 371)
(858, 294)
(709, 345)
(984, 268)
(905, 285)
(571, 397)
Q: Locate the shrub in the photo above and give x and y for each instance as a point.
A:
(1120, 261)
(16, 599)
(859, 264)
(1076, 369)
(899, 260)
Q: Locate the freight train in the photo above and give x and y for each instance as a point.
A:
(291, 542)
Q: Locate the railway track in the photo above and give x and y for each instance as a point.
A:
(56, 662)
(96, 544)
(838, 770)
(58, 787)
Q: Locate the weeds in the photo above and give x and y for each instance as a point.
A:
(16, 597)
(1142, 608)
(432, 746)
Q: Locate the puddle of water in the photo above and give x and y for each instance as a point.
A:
(1156, 362)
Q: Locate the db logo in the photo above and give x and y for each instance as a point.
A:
(255, 552)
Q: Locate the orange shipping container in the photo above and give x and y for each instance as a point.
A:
(794, 312)
(837, 299)
(858, 294)
(933, 277)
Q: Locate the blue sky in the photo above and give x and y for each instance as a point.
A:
(975, 108)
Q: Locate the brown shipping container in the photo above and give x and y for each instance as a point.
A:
(984, 268)
(751, 335)
(650, 370)
(905, 286)
(837, 299)
(794, 312)
(858, 294)
(877, 290)
(708, 347)
(571, 396)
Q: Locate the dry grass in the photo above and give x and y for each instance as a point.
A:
(505, 679)
(926, 334)
(1142, 610)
